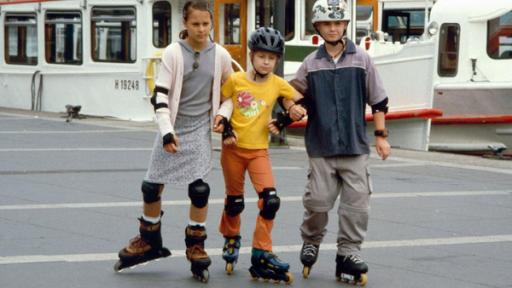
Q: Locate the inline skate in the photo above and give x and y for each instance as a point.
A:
(199, 260)
(351, 269)
(267, 266)
(230, 252)
(145, 247)
(308, 256)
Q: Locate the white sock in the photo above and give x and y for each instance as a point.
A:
(153, 220)
(194, 223)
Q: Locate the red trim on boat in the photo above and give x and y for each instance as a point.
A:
(418, 113)
(472, 119)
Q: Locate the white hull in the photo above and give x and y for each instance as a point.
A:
(126, 96)
(471, 137)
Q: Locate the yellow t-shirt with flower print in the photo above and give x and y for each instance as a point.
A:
(252, 106)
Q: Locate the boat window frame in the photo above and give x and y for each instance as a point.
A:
(7, 59)
(308, 28)
(410, 30)
(505, 55)
(443, 71)
(119, 18)
(81, 22)
(156, 40)
(289, 32)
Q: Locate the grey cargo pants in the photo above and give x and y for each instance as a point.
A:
(347, 177)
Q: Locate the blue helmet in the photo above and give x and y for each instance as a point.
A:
(267, 39)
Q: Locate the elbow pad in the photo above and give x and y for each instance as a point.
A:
(382, 106)
(158, 105)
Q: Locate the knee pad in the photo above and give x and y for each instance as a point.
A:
(198, 192)
(234, 205)
(271, 203)
(151, 192)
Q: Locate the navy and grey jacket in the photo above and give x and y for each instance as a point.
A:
(336, 95)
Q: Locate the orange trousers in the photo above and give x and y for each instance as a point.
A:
(235, 162)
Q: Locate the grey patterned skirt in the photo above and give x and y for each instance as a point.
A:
(193, 159)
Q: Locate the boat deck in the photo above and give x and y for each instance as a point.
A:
(70, 198)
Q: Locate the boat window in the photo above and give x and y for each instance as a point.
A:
(265, 16)
(63, 37)
(402, 25)
(308, 13)
(364, 18)
(113, 34)
(449, 41)
(161, 24)
(230, 25)
(20, 39)
(499, 37)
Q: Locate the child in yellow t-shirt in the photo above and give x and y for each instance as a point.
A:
(254, 94)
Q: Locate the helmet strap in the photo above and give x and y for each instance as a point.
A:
(258, 74)
(333, 43)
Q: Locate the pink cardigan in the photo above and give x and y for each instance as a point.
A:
(170, 77)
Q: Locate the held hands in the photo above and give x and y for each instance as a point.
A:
(218, 126)
(222, 125)
(297, 112)
(383, 148)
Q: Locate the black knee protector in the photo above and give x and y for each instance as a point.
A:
(151, 192)
(198, 192)
(234, 205)
(271, 203)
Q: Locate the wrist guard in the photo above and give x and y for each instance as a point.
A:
(168, 139)
(283, 120)
(228, 129)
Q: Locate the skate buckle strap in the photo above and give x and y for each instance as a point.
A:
(355, 258)
(310, 249)
(137, 245)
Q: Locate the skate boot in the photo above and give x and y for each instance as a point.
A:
(308, 256)
(199, 260)
(145, 247)
(351, 269)
(266, 265)
(230, 252)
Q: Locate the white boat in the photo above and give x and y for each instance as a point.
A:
(104, 56)
(463, 61)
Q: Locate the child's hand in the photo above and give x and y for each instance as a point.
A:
(218, 127)
(229, 141)
(297, 112)
(272, 127)
(173, 146)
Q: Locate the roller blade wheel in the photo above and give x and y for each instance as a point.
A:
(201, 276)
(268, 275)
(306, 271)
(354, 280)
(230, 267)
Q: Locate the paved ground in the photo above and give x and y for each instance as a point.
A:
(69, 199)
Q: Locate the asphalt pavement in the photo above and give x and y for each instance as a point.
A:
(70, 198)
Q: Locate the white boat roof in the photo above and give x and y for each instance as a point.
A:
(472, 11)
(405, 4)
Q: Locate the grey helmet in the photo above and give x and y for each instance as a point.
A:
(267, 39)
(330, 10)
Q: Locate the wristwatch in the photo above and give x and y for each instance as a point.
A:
(381, 133)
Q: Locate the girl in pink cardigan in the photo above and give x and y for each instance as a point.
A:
(187, 108)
